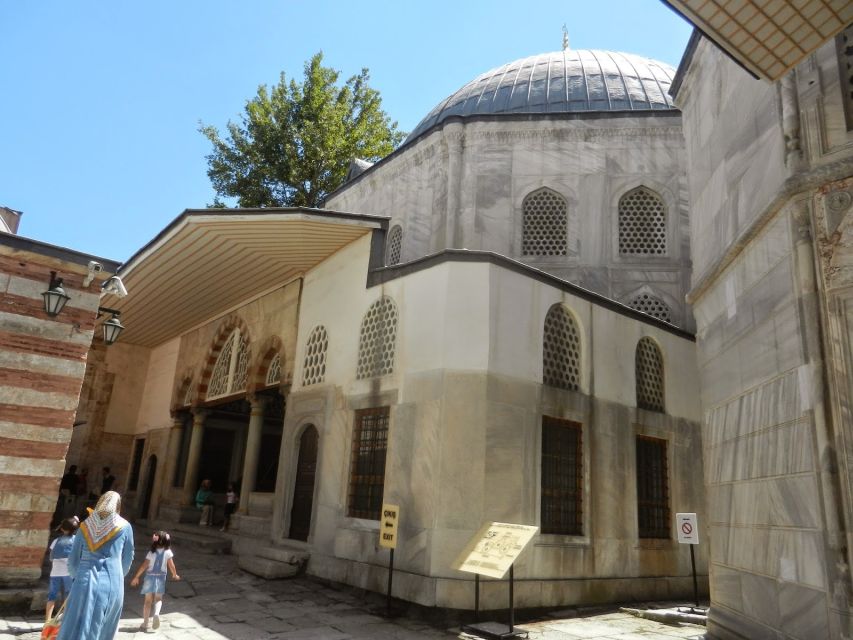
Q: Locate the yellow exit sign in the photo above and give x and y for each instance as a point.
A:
(388, 526)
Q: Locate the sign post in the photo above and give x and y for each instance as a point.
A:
(492, 552)
(688, 533)
(388, 539)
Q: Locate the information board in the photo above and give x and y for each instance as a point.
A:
(687, 527)
(388, 526)
(494, 548)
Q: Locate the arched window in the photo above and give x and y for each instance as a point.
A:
(395, 246)
(642, 223)
(544, 226)
(231, 371)
(648, 364)
(274, 371)
(561, 350)
(377, 339)
(314, 367)
(187, 399)
(651, 305)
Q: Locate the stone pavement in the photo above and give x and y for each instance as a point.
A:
(217, 601)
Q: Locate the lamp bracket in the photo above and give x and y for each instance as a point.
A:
(103, 310)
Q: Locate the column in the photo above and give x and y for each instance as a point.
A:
(193, 459)
(253, 450)
(454, 138)
(173, 450)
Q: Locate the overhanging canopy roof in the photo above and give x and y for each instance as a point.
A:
(208, 261)
(768, 37)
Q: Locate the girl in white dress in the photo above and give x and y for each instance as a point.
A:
(154, 586)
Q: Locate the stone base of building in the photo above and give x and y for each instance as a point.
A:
(178, 513)
(20, 600)
(251, 526)
(454, 593)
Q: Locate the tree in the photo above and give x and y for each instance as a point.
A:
(295, 141)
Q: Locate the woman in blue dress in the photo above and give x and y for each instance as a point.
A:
(100, 558)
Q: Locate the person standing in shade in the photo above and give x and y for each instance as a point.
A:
(107, 481)
(101, 555)
(204, 501)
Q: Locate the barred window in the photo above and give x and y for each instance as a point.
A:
(562, 477)
(652, 488)
(544, 227)
(231, 371)
(649, 373)
(189, 390)
(642, 223)
(561, 359)
(652, 306)
(314, 367)
(395, 246)
(844, 44)
(274, 371)
(377, 339)
(367, 466)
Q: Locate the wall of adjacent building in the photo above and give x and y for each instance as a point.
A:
(42, 364)
(761, 158)
(466, 402)
(463, 186)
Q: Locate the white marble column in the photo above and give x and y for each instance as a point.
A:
(454, 139)
(194, 456)
(173, 450)
(253, 450)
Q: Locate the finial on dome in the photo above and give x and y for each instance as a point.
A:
(565, 37)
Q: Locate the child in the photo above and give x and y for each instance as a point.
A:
(154, 567)
(230, 505)
(60, 549)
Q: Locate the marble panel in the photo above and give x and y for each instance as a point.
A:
(803, 612)
(762, 601)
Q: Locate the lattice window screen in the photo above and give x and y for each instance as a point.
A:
(649, 374)
(231, 371)
(651, 305)
(188, 394)
(314, 367)
(544, 227)
(377, 339)
(642, 223)
(844, 42)
(561, 359)
(395, 246)
(274, 371)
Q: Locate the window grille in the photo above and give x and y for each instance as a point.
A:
(274, 371)
(395, 246)
(188, 394)
(544, 227)
(231, 371)
(642, 223)
(314, 367)
(377, 339)
(367, 466)
(562, 477)
(652, 306)
(561, 360)
(844, 44)
(652, 488)
(136, 465)
(649, 373)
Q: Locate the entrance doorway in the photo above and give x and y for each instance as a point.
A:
(150, 472)
(303, 490)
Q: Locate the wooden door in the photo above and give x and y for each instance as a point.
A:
(303, 490)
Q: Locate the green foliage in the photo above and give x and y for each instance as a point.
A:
(295, 141)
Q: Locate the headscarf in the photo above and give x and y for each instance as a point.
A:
(104, 522)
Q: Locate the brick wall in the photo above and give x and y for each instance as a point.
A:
(42, 363)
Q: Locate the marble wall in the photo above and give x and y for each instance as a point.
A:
(464, 185)
(759, 156)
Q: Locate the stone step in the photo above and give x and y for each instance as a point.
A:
(266, 568)
(289, 555)
(203, 539)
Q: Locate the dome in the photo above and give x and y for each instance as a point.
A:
(574, 80)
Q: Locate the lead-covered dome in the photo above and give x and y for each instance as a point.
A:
(559, 82)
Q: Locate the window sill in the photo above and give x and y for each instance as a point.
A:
(546, 540)
(362, 524)
(654, 544)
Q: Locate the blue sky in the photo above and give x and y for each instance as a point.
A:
(101, 101)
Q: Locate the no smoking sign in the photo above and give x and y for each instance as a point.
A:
(687, 528)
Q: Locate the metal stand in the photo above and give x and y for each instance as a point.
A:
(695, 583)
(390, 581)
(494, 630)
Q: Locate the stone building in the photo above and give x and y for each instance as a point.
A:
(498, 333)
(770, 167)
(42, 363)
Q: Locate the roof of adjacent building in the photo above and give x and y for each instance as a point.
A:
(574, 80)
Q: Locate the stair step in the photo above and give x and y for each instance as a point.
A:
(266, 568)
(197, 537)
(287, 555)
